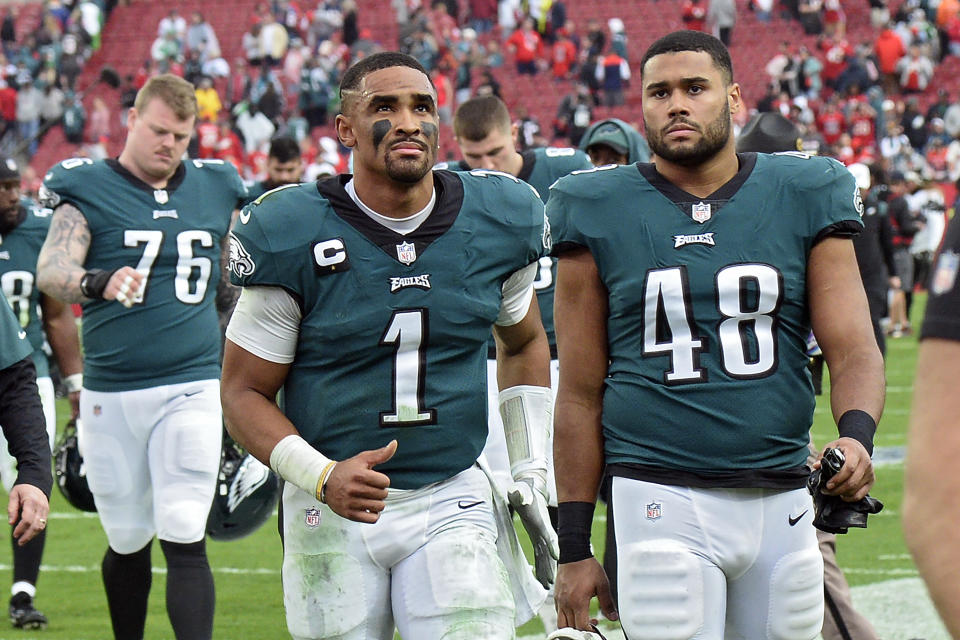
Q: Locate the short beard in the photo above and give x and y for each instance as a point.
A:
(714, 138)
(407, 171)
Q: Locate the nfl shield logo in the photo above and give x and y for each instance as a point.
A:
(701, 212)
(946, 273)
(312, 517)
(654, 511)
(160, 195)
(406, 252)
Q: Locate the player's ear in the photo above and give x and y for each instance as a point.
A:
(734, 98)
(345, 131)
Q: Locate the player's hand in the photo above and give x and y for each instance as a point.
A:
(531, 506)
(28, 509)
(895, 282)
(357, 492)
(577, 584)
(856, 476)
(124, 286)
(74, 399)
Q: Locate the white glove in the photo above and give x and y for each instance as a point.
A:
(531, 506)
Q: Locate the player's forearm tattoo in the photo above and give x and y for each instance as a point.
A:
(60, 264)
(227, 293)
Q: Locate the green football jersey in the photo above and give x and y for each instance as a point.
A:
(19, 249)
(255, 190)
(14, 345)
(541, 168)
(708, 312)
(173, 237)
(392, 341)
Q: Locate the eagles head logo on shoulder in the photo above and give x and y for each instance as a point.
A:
(241, 263)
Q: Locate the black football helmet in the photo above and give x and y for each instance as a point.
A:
(246, 495)
(68, 467)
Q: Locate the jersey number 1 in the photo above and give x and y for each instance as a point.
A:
(407, 333)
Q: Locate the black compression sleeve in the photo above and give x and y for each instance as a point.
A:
(24, 425)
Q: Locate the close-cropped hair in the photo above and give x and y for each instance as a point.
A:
(174, 91)
(478, 117)
(680, 41)
(375, 62)
(284, 149)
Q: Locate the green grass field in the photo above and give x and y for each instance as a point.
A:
(249, 599)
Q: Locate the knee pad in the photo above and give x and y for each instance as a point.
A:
(796, 596)
(126, 541)
(660, 590)
(181, 521)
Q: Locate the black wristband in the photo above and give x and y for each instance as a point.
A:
(858, 425)
(94, 283)
(575, 519)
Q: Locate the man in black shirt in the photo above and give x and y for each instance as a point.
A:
(905, 225)
(874, 249)
(23, 424)
(930, 507)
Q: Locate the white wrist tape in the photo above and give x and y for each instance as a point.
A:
(73, 383)
(294, 460)
(527, 414)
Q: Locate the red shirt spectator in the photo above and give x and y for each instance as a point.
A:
(527, 47)
(208, 135)
(889, 49)
(694, 15)
(229, 147)
(8, 102)
(862, 130)
(835, 58)
(257, 162)
(564, 55)
(831, 124)
(444, 94)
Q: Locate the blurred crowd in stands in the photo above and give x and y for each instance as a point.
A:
(861, 101)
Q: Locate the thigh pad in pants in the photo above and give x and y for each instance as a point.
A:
(661, 590)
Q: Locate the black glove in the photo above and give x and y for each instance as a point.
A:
(833, 514)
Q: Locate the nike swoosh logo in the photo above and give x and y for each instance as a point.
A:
(794, 521)
(192, 393)
(467, 505)
(244, 216)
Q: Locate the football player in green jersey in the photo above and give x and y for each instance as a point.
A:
(22, 422)
(284, 166)
(23, 227)
(138, 241)
(932, 483)
(685, 293)
(368, 299)
(487, 140)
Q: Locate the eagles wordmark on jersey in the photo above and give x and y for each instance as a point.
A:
(173, 237)
(394, 327)
(708, 306)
